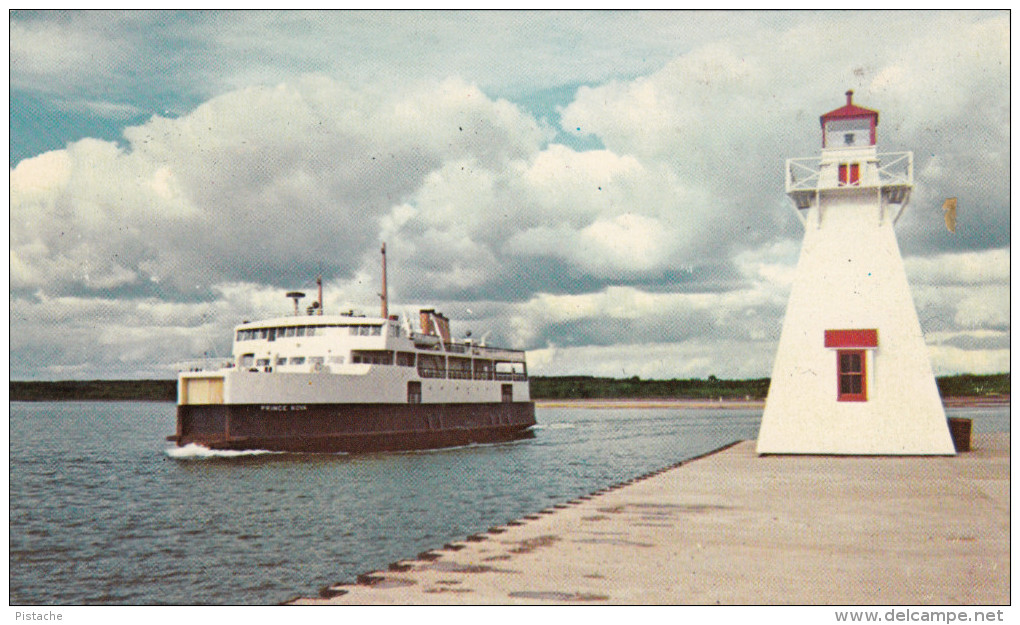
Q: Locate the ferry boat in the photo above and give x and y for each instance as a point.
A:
(315, 382)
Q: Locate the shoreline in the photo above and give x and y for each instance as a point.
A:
(728, 403)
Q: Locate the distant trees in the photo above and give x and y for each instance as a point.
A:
(558, 387)
(590, 387)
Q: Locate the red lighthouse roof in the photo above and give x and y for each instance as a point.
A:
(850, 110)
(849, 125)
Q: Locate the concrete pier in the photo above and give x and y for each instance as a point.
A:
(736, 528)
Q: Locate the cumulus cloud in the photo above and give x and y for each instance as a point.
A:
(669, 251)
(264, 184)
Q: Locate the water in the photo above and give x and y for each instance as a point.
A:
(101, 513)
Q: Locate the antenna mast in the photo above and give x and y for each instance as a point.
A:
(383, 295)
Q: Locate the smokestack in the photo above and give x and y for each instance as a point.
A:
(425, 317)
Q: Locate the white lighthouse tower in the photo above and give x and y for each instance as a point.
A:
(852, 374)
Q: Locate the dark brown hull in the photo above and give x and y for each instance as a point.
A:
(351, 428)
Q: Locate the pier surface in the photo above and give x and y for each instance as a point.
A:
(736, 528)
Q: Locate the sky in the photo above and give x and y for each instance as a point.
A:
(602, 189)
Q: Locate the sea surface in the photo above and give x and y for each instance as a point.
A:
(104, 512)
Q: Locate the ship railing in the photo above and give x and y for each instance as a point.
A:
(202, 364)
(498, 353)
(431, 372)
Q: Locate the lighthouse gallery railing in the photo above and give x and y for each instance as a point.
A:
(894, 169)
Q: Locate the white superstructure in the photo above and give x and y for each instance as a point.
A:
(352, 359)
(852, 373)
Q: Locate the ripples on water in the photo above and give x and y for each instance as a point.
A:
(101, 512)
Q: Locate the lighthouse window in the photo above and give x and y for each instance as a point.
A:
(851, 376)
(849, 174)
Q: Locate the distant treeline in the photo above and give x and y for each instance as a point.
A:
(588, 387)
(559, 387)
(968, 385)
(88, 390)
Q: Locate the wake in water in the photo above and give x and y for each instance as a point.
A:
(553, 426)
(193, 451)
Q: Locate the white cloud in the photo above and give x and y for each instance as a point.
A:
(960, 268)
(668, 253)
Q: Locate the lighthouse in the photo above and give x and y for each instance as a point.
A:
(852, 373)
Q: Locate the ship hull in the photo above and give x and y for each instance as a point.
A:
(351, 428)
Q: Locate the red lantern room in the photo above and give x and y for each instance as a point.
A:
(849, 126)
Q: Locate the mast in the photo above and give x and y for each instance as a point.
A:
(383, 295)
(318, 282)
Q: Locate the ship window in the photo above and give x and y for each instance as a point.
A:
(264, 332)
(297, 360)
(316, 360)
(280, 360)
(310, 331)
(459, 368)
(376, 330)
(262, 362)
(290, 332)
(372, 357)
(300, 331)
(483, 369)
(247, 360)
(405, 359)
(353, 330)
(430, 366)
(414, 392)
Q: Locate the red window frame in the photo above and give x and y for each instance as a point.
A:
(849, 174)
(851, 375)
